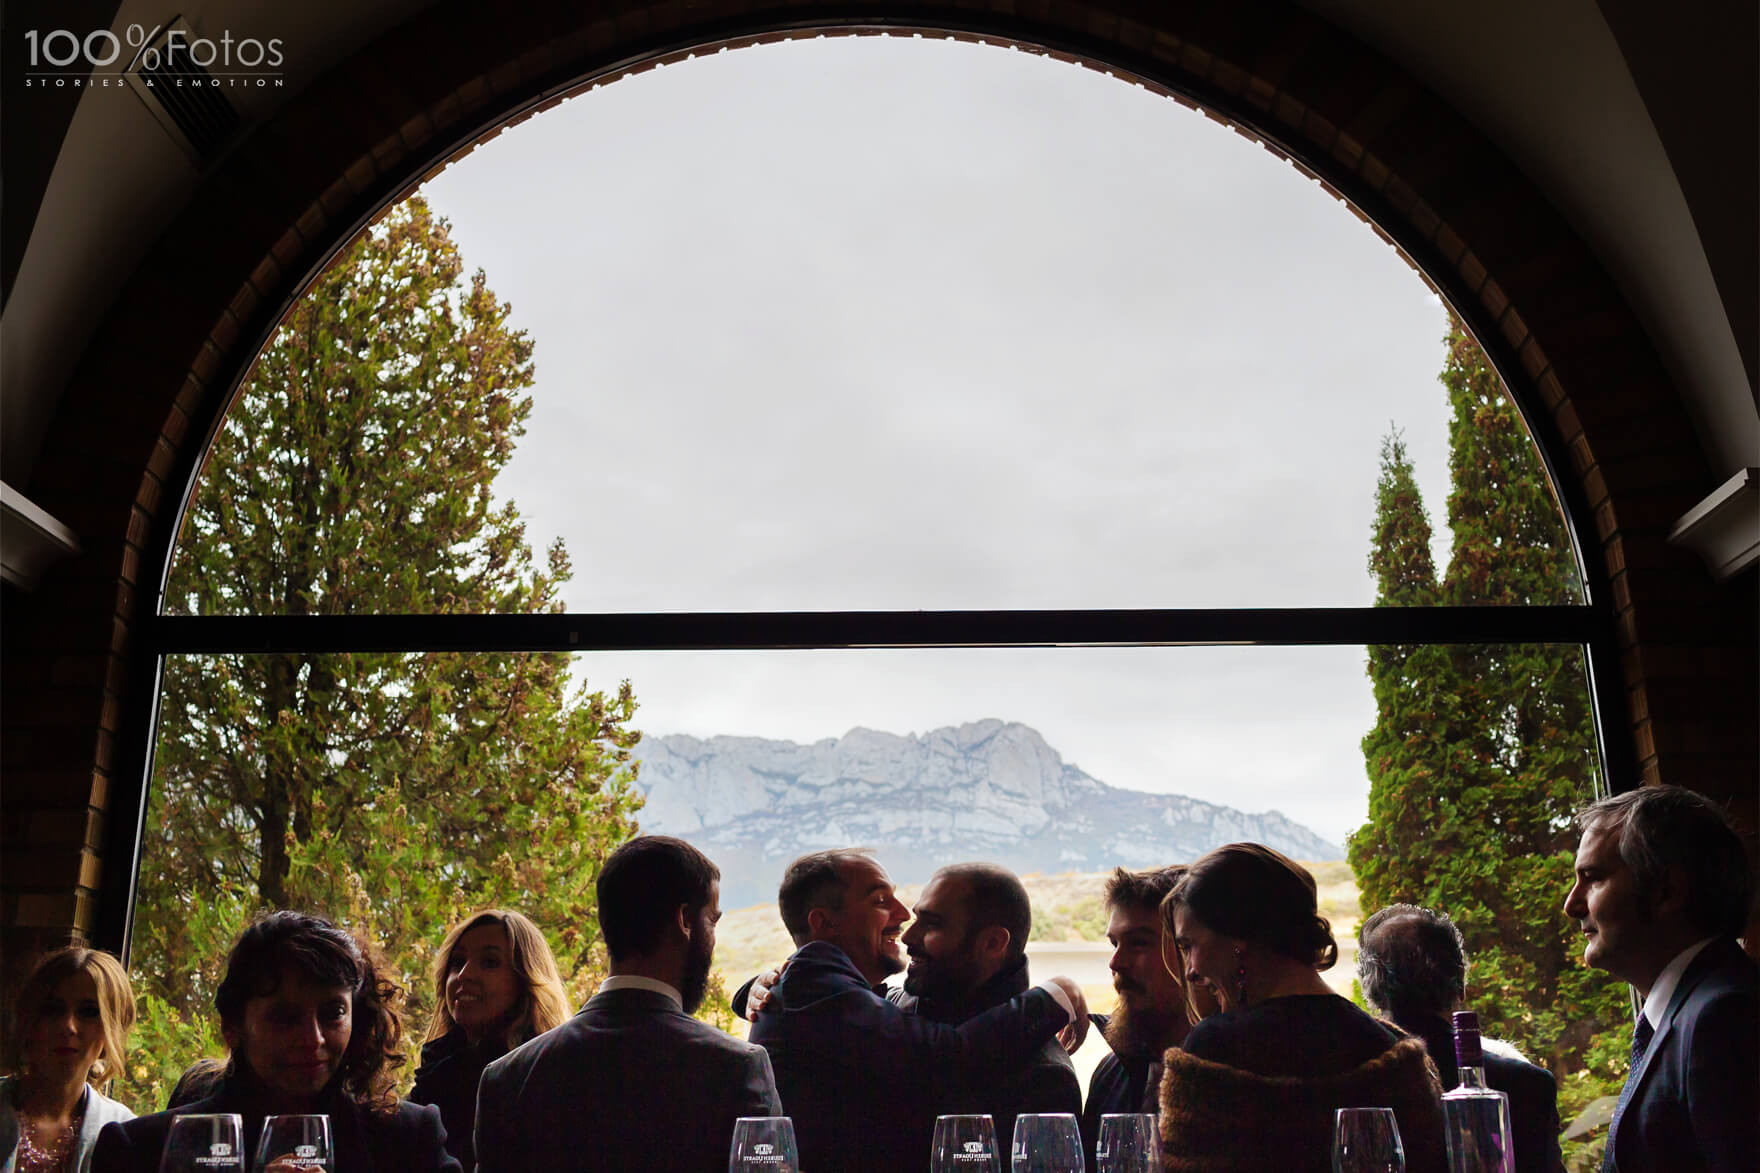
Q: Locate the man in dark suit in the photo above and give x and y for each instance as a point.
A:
(1662, 892)
(967, 944)
(1153, 1011)
(861, 1077)
(632, 1082)
(1412, 964)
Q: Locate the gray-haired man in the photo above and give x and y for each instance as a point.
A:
(1663, 890)
(1412, 964)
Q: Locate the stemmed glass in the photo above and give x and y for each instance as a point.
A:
(204, 1144)
(1126, 1144)
(292, 1144)
(764, 1144)
(1366, 1140)
(964, 1144)
(1048, 1142)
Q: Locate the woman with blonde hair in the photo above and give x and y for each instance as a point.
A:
(69, 1036)
(495, 986)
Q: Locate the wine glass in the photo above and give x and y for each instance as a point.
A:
(1366, 1140)
(964, 1144)
(292, 1144)
(204, 1144)
(765, 1144)
(1047, 1142)
(1127, 1144)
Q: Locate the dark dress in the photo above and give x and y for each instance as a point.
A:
(409, 1139)
(1305, 1036)
(447, 1079)
(1254, 1090)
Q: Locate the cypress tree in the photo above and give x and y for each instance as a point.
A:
(1480, 754)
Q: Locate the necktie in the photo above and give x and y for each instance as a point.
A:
(1641, 1035)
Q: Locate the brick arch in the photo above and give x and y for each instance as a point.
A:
(137, 416)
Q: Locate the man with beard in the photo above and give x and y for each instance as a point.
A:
(633, 1083)
(1153, 1011)
(861, 1077)
(967, 946)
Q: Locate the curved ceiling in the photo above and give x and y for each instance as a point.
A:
(1592, 100)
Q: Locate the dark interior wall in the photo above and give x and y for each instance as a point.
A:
(33, 123)
(1697, 66)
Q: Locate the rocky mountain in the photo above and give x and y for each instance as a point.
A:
(986, 790)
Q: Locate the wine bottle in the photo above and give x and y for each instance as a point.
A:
(1476, 1117)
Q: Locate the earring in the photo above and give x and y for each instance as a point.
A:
(1240, 975)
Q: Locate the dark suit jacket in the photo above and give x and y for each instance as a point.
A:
(1696, 1102)
(409, 1140)
(1532, 1092)
(447, 1078)
(1045, 1083)
(862, 1078)
(630, 1083)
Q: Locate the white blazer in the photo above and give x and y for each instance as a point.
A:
(100, 1110)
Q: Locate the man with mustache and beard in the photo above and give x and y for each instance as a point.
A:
(1153, 1011)
(633, 1083)
(863, 1078)
(967, 947)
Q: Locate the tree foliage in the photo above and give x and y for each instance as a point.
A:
(1480, 754)
(396, 792)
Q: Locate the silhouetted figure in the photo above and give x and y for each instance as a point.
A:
(967, 947)
(1662, 892)
(1412, 964)
(633, 1083)
(1256, 1086)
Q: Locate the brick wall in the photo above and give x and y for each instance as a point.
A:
(130, 430)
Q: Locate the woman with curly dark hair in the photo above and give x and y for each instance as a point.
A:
(313, 1027)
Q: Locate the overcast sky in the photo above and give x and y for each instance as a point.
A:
(901, 323)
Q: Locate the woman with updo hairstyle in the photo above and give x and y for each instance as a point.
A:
(68, 1037)
(312, 1026)
(1256, 1086)
(495, 986)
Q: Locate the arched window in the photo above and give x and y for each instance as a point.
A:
(1093, 471)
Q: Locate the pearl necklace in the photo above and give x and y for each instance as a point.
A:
(32, 1159)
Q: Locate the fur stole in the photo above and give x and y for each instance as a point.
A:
(1220, 1119)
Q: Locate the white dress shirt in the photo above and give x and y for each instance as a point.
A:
(1656, 1005)
(631, 981)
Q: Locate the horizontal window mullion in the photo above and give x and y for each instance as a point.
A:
(876, 629)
